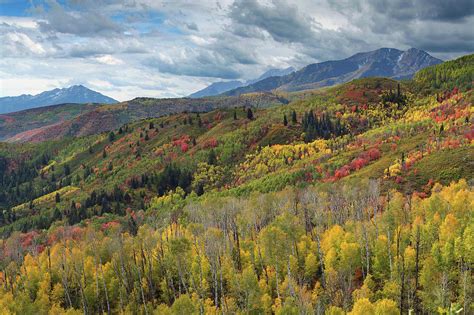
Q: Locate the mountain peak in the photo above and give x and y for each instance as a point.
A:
(217, 88)
(383, 62)
(73, 94)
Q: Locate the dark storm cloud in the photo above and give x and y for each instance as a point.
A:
(203, 63)
(286, 23)
(192, 26)
(282, 21)
(440, 10)
(437, 26)
(85, 22)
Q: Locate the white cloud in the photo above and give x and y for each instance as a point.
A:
(109, 60)
(22, 40)
(163, 48)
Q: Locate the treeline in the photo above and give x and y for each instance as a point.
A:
(448, 75)
(321, 126)
(325, 250)
(16, 181)
(171, 177)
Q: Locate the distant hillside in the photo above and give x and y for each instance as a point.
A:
(455, 73)
(384, 62)
(217, 88)
(73, 94)
(224, 86)
(272, 73)
(33, 120)
(94, 120)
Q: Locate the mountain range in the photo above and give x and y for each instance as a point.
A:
(73, 94)
(383, 62)
(217, 88)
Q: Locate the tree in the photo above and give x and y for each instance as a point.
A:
(57, 198)
(212, 158)
(104, 153)
(285, 120)
(249, 114)
(235, 115)
(111, 136)
(67, 170)
(294, 120)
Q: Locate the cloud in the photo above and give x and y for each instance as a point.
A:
(161, 48)
(196, 63)
(281, 20)
(438, 26)
(192, 26)
(109, 60)
(85, 22)
(435, 10)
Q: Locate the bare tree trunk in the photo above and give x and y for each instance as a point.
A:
(417, 260)
(105, 286)
(276, 279)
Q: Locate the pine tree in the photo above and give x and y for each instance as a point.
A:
(67, 170)
(111, 136)
(294, 120)
(212, 158)
(249, 113)
(285, 120)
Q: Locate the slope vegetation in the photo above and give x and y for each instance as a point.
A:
(355, 198)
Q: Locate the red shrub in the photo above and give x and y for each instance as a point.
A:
(211, 143)
(184, 147)
(358, 163)
(374, 154)
(342, 172)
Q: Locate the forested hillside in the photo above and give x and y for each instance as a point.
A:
(352, 199)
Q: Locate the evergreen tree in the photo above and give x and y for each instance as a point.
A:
(285, 120)
(212, 158)
(111, 136)
(249, 114)
(56, 215)
(293, 117)
(67, 170)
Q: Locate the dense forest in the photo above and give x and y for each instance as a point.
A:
(355, 199)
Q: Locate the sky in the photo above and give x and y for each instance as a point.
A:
(130, 48)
